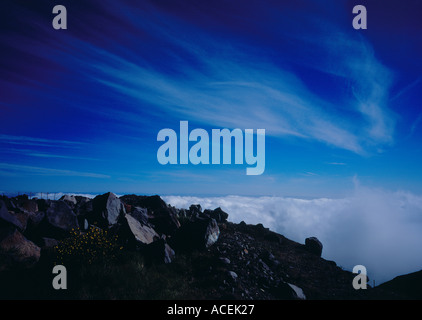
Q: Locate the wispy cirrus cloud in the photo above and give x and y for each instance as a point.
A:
(188, 72)
(38, 154)
(33, 170)
(34, 141)
(230, 88)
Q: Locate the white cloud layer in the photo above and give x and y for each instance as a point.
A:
(379, 229)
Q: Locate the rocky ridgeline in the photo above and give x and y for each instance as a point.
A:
(146, 223)
(237, 261)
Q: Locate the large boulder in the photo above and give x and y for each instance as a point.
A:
(140, 214)
(107, 209)
(43, 204)
(8, 218)
(16, 251)
(218, 214)
(162, 216)
(195, 210)
(313, 245)
(59, 219)
(30, 206)
(159, 251)
(33, 230)
(200, 233)
(70, 200)
(131, 229)
(132, 233)
(10, 203)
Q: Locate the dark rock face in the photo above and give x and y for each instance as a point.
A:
(70, 200)
(140, 214)
(160, 215)
(406, 286)
(106, 210)
(43, 204)
(159, 251)
(217, 214)
(197, 234)
(30, 206)
(313, 245)
(33, 229)
(7, 217)
(16, 251)
(142, 223)
(225, 260)
(60, 218)
(195, 211)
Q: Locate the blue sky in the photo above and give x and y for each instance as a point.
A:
(80, 108)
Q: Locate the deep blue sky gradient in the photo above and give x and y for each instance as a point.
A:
(80, 108)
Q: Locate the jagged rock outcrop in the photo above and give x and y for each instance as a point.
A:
(60, 218)
(140, 214)
(217, 214)
(70, 200)
(160, 215)
(8, 218)
(106, 210)
(16, 251)
(159, 251)
(215, 258)
(200, 233)
(144, 223)
(313, 245)
(134, 231)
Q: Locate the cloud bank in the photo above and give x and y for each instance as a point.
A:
(379, 229)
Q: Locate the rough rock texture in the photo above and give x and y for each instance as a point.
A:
(159, 251)
(70, 199)
(140, 232)
(140, 214)
(197, 234)
(202, 256)
(9, 218)
(16, 251)
(106, 210)
(160, 215)
(314, 246)
(60, 218)
(217, 214)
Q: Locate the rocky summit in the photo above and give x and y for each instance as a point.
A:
(139, 247)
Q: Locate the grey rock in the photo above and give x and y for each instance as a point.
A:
(61, 217)
(70, 199)
(160, 215)
(140, 214)
(107, 208)
(224, 260)
(233, 275)
(140, 232)
(298, 292)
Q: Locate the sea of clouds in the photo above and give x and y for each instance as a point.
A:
(379, 229)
